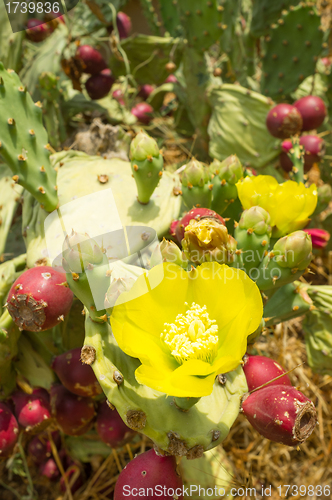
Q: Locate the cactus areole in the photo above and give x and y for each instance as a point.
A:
(39, 299)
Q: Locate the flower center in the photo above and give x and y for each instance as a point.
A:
(193, 335)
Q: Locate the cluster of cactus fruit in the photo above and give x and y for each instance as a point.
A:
(85, 379)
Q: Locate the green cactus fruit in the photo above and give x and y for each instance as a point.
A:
(9, 335)
(84, 187)
(23, 140)
(154, 414)
(238, 124)
(286, 262)
(52, 114)
(196, 185)
(10, 194)
(213, 472)
(253, 234)
(225, 175)
(147, 165)
(207, 240)
(292, 48)
(288, 302)
(168, 251)
(324, 196)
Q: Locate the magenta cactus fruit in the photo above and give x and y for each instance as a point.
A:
(284, 160)
(197, 214)
(118, 96)
(9, 431)
(314, 148)
(283, 121)
(36, 30)
(32, 409)
(49, 469)
(111, 428)
(319, 237)
(77, 377)
(143, 112)
(171, 79)
(91, 60)
(281, 413)
(73, 413)
(39, 448)
(123, 23)
(149, 470)
(98, 86)
(39, 299)
(313, 111)
(260, 370)
(145, 91)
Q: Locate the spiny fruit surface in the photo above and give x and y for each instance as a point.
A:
(111, 428)
(77, 377)
(73, 413)
(32, 409)
(260, 370)
(314, 148)
(98, 86)
(283, 121)
(8, 431)
(149, 470)
(143, 112)
(91, 60)
(281, 414)
(39, 299)
(313, 111)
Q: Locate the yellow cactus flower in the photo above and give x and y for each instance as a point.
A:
(289, 204)
(188, 329)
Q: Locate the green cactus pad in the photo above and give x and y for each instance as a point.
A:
(265, 13)
(238, 126)
(24, 142)
(10, 194)
(79, 175)
(151, 16)
(292, 48)
(52, 114)
(288, 302)
(154, 414)
(9, 336)
(171, 17)
(317, 326)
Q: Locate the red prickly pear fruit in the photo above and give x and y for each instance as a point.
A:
(91, 60)
(149, 470)
(98, 86)
(111, 428)
(143, 112)
(171, 79)
(9, 431)
(283, 120)
(123, 23)
(197, 214)
(319, 237)
(77, 377)
(281, 413)
(314, 148)
(32, 409)
(73, 413)
(173, 226)
(74, 478)
(118, 96)
(39, 448)
(313, 111)
(36, 30)
(260, 370)
(54, 16)
(49, 469)
(39, 299)
(145, 91)
(284, 160)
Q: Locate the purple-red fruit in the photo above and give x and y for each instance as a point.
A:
(313, 111)
(74, 375)
(197, 214)
(111, 428)
(9, 431)
(143, 112)
(281, 413)
(49, 469)
(123, 23)
(260, 370)
(149, 470)
(36, 30)
(283, 121)
(39, 299)
(74, 478)
(171, 79)
(39, 448)
(98, 86)
(32, 409)
(91, 59)
(145, 91)
(73, 413)
(118, 96)
(284, 160)
(314, 148)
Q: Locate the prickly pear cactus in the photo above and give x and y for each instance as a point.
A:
(292, 48)
(10, 194)
(154, 414)
(265, 13)
(24, 142)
